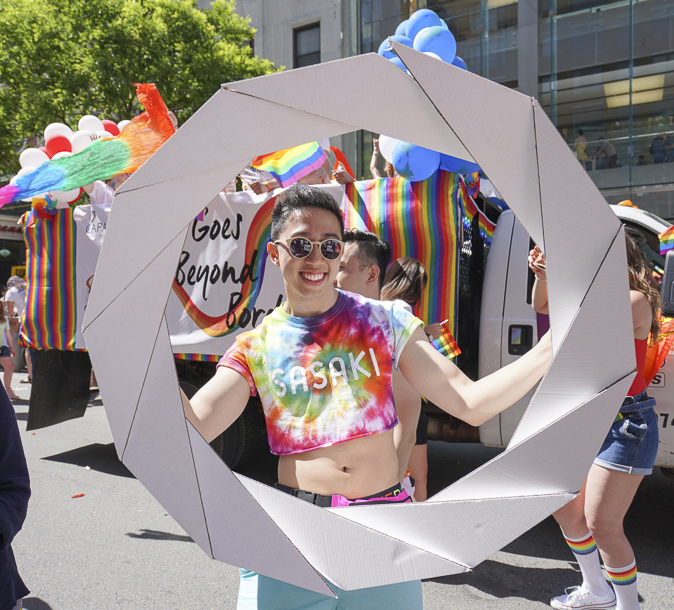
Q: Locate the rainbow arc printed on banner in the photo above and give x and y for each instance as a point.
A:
(258, 237)
(420, 220)
(290, 165)
(666, 240)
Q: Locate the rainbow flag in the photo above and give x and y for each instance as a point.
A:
(466, 203)
(446, 344)
(49, 320)
(291, 164)
(418, 219)
(197, 357)
(666, 240)
(103, 159)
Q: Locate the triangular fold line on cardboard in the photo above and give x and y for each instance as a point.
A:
(466, 532)
(230, 511)
(314, 531)
(501, 139)
(597, 348)
(142, 222)
(554, 460)
(385, 96)
(125, 353)
(232, 126)
(584, 224)
(158, 452)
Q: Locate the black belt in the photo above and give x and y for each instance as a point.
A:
(307, 496)
(326, 501)
(630, 400)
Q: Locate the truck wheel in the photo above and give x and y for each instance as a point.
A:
(668, 472)
(241, 441)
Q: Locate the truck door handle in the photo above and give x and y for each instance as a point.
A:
(520, 339)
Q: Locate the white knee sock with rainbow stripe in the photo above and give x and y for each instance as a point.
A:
(625, 586)
(587, 555)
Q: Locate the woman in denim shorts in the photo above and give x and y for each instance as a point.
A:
(592, 523)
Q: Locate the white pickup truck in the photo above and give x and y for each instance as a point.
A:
(507, 321)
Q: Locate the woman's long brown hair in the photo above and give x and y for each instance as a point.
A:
(405, 279)
(641, 280)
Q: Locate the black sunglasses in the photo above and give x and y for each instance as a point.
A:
(300, 247)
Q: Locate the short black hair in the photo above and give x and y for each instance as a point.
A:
(371, 251)
(299, 197)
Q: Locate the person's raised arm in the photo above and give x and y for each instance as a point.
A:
(474, 402)
(373, 162)
(217, 405)
(539, 292)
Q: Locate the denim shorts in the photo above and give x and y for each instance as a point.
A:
(632, 441)
(4, 352)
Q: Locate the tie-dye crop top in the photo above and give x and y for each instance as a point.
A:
(324, 379)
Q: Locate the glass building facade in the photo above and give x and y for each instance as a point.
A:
(603, 71)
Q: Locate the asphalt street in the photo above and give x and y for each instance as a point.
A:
(116, 547)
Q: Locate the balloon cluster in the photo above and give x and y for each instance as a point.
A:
(61, 141)
(426, 32)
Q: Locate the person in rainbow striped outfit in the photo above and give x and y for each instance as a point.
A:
(592, 523)
(322, 363)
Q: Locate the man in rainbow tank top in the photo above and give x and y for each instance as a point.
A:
(322, 364)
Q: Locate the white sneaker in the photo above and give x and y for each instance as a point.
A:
(576, 598)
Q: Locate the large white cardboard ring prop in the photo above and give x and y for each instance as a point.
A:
(440, 107)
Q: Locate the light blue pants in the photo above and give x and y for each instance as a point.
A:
(257, 592)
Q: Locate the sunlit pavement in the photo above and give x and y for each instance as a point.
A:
(95, 538)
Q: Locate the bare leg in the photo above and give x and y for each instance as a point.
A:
(418, 465)
(8, 372)
(29, 365)
(608, 496)
(571, 517)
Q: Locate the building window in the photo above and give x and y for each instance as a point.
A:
(307, 45)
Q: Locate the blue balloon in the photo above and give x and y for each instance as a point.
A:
(398, 62)
(458, 166)
(401, 30)
(459, 63)
(385, 49)
(415, 162)
(436, 40)
(424, 18)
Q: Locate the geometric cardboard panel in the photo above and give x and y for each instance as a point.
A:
(440, 107)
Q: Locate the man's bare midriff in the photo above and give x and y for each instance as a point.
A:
(360, 467)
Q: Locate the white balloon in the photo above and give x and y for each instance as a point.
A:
(33, 157)
(57, 129)
(122, 124)
(80, 140)
(65, 196)
(90, 123)
(386, 146)
(25, 170)
(60, 155)
(433, 55)
(104, 134)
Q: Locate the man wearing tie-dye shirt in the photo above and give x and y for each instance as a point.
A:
(322, 365)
